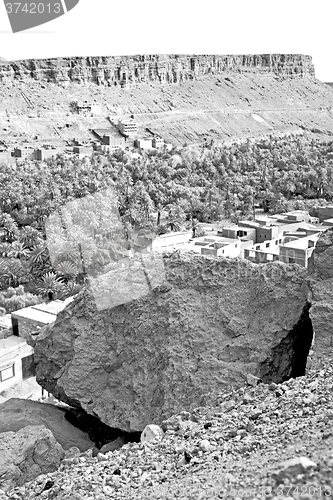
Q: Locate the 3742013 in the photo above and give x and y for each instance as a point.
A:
(33, 8)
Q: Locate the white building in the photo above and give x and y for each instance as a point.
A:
(16, 361)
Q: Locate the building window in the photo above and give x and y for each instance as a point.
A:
(291, 260)
(276, 242)
(267, 245)
(7, 372)
(280, 241)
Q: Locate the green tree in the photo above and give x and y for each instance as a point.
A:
(50, 286)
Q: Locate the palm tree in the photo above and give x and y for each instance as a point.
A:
(18, 250)
(176, 218)
(66, 270)
(4, 248)
(13, 272)
(30, 237)
(39, 260)
(50, 285)
(38, 254)
(10, 227)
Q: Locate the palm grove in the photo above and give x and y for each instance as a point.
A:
(158, 192)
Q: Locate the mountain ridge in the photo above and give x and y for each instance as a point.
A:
(129, 70)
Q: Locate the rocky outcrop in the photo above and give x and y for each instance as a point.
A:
(133, 70)
(321, 282)
(18, 413)
(210, 323)
(26, 454)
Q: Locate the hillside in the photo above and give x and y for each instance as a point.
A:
(239, 448)
(186, 99)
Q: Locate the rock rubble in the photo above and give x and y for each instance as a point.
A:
(265, 441)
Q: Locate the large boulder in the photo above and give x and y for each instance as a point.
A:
(26, 454)
(321, 283)
(18, 413)
(177, 344)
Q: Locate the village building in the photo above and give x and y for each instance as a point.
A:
(220, 246)
(16, 355)
(110, 140)
(206, 245)
(24, 153)
(129, 128)
(83, 150)
(289, 237)
(165, 242)
(235, 231)
(28, 321)
(298, 251)
(81, 108)
(293, 244)
(144, 143)
(158, 141)
(16, 361)
(44, 153)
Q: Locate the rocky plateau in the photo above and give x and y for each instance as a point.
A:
(130, 70)
(184, 98)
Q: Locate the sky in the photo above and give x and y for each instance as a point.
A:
(107, 27)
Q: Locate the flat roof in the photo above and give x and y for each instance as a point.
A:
(53, 307)
(108, 131)
(172, 234)
(10, 343)
(42, 314)
(34, 315)
(302, 243)
(214, 239)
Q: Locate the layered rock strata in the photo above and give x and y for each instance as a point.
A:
(169, 69)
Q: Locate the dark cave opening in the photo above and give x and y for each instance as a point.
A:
(289, 358)
(97, 431)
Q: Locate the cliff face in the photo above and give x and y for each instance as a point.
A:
(179, 344)
(321, 282)
(133, 70)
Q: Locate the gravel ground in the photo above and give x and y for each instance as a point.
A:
(240, 449)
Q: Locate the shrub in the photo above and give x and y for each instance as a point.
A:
(13, 299)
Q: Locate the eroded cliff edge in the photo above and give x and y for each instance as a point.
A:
(131, 70)
(321, 283)
(210, 323)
